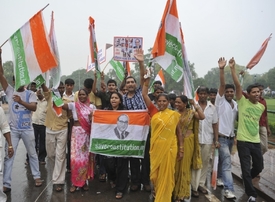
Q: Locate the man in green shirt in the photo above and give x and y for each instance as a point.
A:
(248, 138)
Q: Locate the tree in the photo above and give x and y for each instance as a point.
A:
(8, 71)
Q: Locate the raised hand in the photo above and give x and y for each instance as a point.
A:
(232, 63)
(222, 62)
(139, 55)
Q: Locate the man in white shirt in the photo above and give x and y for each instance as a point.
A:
(227, 113)
(38, 120)
(208, 133)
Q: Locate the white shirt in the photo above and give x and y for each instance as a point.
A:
(227, 115)
(206, 133)
(4, 125)
(68, 97)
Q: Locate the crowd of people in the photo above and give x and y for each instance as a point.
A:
(178, 148)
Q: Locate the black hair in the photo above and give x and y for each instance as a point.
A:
(249, 88)
(259, 85)
(157, 82)
(229, 86)
(33, 83)
(120, 106)
(163, 95)
(130, 77)
(184, 99)
(203, 89)
(158, 88)
(111, 81)
(172, 96)
(86, 92)
(69, 81)
(61, 83)
(213, 90)
(88, 83)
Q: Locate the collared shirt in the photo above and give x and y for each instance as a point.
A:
(263, 119)
(227, 115)
(4, 125)
(136, 102)
(93, 99)
(38, 117)
(68, 97)
(53, 122)
(206, 133)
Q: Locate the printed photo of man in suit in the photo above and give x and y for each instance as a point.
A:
(122, 125)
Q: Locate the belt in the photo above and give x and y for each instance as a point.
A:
(225, 137)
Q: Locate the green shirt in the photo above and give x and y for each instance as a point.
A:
(249, 116)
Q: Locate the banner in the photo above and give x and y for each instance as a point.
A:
(55, 72)
(123, 133)
(167, 49)
(32, 52)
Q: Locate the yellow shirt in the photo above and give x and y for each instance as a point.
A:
(93, 99)
(53, 122)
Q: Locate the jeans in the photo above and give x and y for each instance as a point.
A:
(248, 151)
(224, 165)
(29, 141)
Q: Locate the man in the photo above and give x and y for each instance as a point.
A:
(88, 85)
(208, 132)
(133, 100)
(155, 84)
(172, 99)
(5, 130)
(248, 138)
(56, 138)
(38, 120)
(137, 44)
(122, 125)
(227, 113)
(212, 95)
(22, 103)
(33, 87)
(69, 97)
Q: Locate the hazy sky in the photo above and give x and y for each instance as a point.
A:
(212, 28)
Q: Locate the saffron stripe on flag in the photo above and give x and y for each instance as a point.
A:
(137, 117)
(44, 54)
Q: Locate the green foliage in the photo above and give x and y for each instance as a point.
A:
(8, 71)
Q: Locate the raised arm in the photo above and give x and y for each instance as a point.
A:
(235, 79)
(140, 58)
(222, 64)
(3, 80)
(94, 84)
(145, 92)
(199, 113)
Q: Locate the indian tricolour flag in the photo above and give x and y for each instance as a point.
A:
(159, 77)
(32, 51)
(93, 46)
(167, 49)
(122, 134)
(119, 69)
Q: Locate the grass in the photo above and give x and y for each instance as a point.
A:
(271, 106)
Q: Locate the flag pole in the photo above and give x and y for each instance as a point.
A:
(106, 65)
(38, 11)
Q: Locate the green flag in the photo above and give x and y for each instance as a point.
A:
(119, 69)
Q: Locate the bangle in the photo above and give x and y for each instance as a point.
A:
(10, 147)
(181, 147)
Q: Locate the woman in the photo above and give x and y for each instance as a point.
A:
(82, 162)
(189, 122)
(165, 144)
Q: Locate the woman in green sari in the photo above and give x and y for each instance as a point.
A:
(165, 144)
(189, 124)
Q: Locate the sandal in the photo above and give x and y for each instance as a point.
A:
(73, 189)
(85, 187)
(58, 187)
(102, 178)
(202, 190)
(119, 195)
(38, 182)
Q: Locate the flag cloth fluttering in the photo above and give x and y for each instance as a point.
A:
(167, 49)
(159, 77)
(93, 45)
(254, 61)
(55, 72)
(110, 137)
(32, 52)
(119, 69)
(188, 86)
(126, 65)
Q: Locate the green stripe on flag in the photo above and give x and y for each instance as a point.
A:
(21, 70)
(119, 69)
(118, 147)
